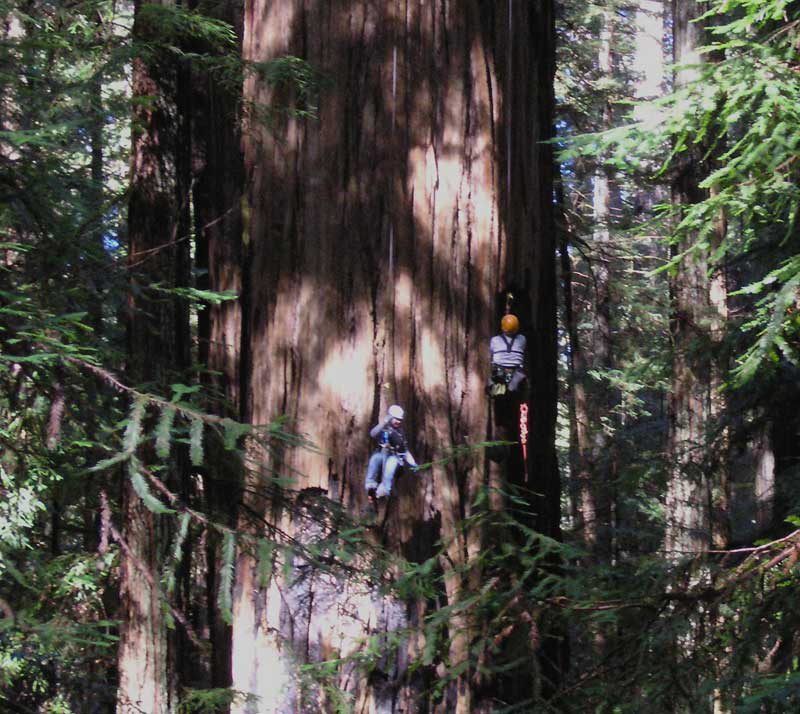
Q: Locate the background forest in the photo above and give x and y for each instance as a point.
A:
(234, 232)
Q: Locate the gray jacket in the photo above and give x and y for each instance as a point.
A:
(395, 438)
(508, 351)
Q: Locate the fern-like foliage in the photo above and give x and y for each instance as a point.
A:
(110, 462)
(226, 573)
(773, 318)
(196, 442)
(212, 701)
(171, 566)
(131, 437)
(133, 430)
(142, 489)
(232, 432)
(173, 26)
(164, 430)
(266, 551)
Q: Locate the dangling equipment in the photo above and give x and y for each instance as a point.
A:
(523, 430)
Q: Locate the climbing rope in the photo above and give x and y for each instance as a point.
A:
(391, 219)
(509, 99)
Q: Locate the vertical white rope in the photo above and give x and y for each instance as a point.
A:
(390, 283)
(394, 83)
(509, 87)
(391, 221)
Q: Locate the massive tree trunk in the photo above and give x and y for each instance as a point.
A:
(380, 235)
(157, 350)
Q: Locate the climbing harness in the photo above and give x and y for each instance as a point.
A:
(501, 378)
(507, 352)
(511, 347)
(523, 430)
(392, 441)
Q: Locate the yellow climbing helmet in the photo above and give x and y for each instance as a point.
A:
(509, 323)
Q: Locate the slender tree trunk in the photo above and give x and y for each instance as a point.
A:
(578, 402)
(688, 500)
(380, 235)
(648, 53)
(764, 481)
(96, 247)
(596, 490)
(720, 432)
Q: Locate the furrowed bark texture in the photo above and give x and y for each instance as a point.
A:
(153, 353)
(576, 394)
(694, 314)
(217, 198)
(380, 235)
(593, 399)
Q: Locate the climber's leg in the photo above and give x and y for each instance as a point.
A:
(373, 470)
(516, 380)
(389, 470)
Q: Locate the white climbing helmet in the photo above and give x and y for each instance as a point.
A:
(396, 411)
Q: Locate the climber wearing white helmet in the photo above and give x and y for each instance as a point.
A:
(392, 452)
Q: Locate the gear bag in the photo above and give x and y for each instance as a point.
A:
(501, 378)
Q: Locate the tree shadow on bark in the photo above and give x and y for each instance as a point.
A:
(380, 236)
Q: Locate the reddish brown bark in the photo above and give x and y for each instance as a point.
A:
(157, 351)
(217, 200)
(380, 234)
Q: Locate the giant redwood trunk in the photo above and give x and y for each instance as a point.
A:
(380, 234)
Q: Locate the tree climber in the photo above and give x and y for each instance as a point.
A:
(507, 355)
(392, 452)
